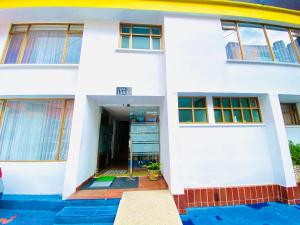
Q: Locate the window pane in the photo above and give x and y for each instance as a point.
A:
(156, 30)
(125, 29)
(66, 130)
(245, 102)
(217, 102)
(237, 116)
(256, 116)
(253, 102)
(235, 102)
(73, 48)
(232, 45)
(14, 48)
(281, 45)
(125, 42)
(30, 130)
(140, 42)
(140, 29)
(247, 115)
(156, 43)
(254, 42)
(185, 115)
(184, 102)
(1, 104)
(200, 115)
(199, 102)
(218, 115)
(228, 115)
(44, 47)
(226, 102)
(296, 38)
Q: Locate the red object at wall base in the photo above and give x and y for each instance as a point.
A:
(223, 196)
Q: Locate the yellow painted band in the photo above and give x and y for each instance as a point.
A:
(216, 7)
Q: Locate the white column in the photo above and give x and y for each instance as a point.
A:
(280, 153)
(72, 164)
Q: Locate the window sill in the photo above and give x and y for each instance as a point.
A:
(224, 125)
(292, 126)
(262, 63)
(39, 66)
(130, 50)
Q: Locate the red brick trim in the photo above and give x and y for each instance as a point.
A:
(222, 196)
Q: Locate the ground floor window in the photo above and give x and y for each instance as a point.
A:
(192, 110)
(290, 113)
(236, 110)
(35, 129)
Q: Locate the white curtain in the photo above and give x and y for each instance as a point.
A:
(44, 47)
(30, 129)
(66, 130)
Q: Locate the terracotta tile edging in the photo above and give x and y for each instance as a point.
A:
(225, 196)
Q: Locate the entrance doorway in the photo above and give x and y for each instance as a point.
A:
(128, 140)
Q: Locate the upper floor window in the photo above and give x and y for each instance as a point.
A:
(192, 110)
(44, 44)
(290, 114)
(236, 110)
(247, 41)
(136, 36)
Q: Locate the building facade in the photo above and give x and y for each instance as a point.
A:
(225, 85)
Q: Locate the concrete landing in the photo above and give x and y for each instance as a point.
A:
(147, 208)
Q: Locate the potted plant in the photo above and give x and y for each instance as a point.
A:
(295, 154)
(153, 170)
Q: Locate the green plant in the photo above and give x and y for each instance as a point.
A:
(153, 166)
(295, 152)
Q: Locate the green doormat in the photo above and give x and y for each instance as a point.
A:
(105, 178)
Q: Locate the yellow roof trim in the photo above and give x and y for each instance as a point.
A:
(216, 7)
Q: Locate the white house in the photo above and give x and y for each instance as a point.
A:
(222, 85)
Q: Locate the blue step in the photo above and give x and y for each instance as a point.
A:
(86, 214)
(85, 224)
(93, 202)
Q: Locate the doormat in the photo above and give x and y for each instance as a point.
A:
(102, 184)
(118, 183)
(105, 178)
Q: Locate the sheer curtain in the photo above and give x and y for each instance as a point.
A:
(66, 130)
(14, 48)
(44, 47)
(30, 130)
(73, 48)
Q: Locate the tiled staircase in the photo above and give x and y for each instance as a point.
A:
(59, 212)
(88, 212)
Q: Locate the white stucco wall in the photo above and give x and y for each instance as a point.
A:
(33, 177)
(214, 155)
(293, 133)
(104, 66)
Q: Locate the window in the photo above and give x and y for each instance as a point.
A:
(257, 42)
(233, 48)
(236, 110)
(35, 129)
(44, 44)
(192, 110)
(290, 114)
(140, 36)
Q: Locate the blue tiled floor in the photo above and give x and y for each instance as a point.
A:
(259, 214)
(36, 217)
(46, 210)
